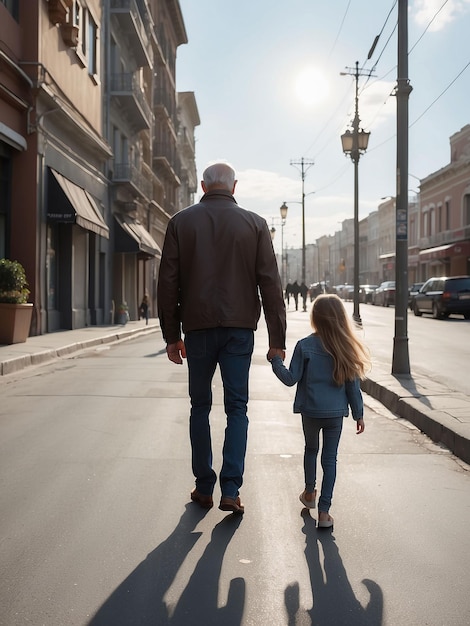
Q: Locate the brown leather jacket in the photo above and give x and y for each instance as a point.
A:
(217, 262)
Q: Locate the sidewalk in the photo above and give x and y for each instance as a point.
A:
(441, 413)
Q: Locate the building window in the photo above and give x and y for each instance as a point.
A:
(447, 215)
(425, 224)
(87, 39)
(92, 47)
(12, 6)
(466, 210)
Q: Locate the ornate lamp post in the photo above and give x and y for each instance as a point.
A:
(283, 211)
(354, 144)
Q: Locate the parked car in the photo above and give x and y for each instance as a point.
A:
(412, 291)
(366, 292)
(384, 294)
(444, 296)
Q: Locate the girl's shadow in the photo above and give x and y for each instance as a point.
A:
(334, 602)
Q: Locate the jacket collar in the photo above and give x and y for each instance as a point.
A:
(215, 193)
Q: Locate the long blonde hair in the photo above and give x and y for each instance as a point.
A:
(351, 358)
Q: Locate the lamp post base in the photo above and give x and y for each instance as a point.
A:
(357, 319)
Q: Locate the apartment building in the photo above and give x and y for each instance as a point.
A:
(444, 216)
(90, 168)
(56, 213)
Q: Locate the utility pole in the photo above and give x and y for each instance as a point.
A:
(303, 166)
(400, 359)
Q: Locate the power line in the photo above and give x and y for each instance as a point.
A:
(440, 95)
(427, 27)
(339, 31)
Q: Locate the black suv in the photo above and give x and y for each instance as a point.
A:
(443, 296)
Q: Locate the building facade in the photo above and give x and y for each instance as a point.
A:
(89, 157)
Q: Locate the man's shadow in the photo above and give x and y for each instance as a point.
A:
(334, 602)
(139, 600)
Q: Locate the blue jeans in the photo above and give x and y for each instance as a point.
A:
(231, 349)
(331, 427)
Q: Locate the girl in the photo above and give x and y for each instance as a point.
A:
(327, 365)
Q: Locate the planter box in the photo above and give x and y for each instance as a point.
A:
(15, 322)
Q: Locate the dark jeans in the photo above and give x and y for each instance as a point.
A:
(231, 349)
(331, 427)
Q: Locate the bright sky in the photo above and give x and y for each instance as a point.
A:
(266, 77)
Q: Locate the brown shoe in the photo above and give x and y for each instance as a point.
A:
(231, 504)
(205, 502)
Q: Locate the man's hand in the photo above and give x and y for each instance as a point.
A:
(176, 351)
(272, 352)
(360, 426)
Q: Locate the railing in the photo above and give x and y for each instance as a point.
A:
(128, 83)
(161, 97)
(130, 6)
(125, 172)
(445, 237)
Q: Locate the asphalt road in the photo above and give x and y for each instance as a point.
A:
(97, 529)
(439, 349)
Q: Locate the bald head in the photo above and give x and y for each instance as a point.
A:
(219, 176)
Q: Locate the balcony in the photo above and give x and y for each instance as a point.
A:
(126, 91)
(166, 161)
(130, 178)
(445, 237)
(187, 144)
(164, 104)
(128, 16)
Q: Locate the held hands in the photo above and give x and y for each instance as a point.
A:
(360, 426)
(272, 352)
(176, 352)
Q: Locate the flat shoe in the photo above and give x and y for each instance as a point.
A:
(206, 502)
(309, 504)
(327, 523)
(231, 504)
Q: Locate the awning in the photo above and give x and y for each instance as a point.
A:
(133, 237)
(77, 207)
(387, 257)
(443, 252)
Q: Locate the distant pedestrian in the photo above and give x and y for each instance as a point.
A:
(144, 309)
(288, 292)
(217, 261)
(295, 290)
(327, 367)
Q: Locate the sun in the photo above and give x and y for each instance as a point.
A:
(311, 86)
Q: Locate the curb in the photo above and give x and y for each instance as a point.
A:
(437, 424)
(18, 363)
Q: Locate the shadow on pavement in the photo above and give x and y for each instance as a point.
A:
(334, 602)
(139, 600)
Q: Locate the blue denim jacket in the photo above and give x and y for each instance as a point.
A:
(317, 394)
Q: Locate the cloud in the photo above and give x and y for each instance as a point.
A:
(266, 186)
(377, 104)
(425, 11)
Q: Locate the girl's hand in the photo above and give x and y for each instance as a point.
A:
(360, 426)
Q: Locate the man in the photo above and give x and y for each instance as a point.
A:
(217, 261)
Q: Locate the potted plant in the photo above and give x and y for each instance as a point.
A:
(15, 312)
(122, 313)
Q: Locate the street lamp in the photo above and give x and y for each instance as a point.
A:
(354, 144)
(283, 210)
